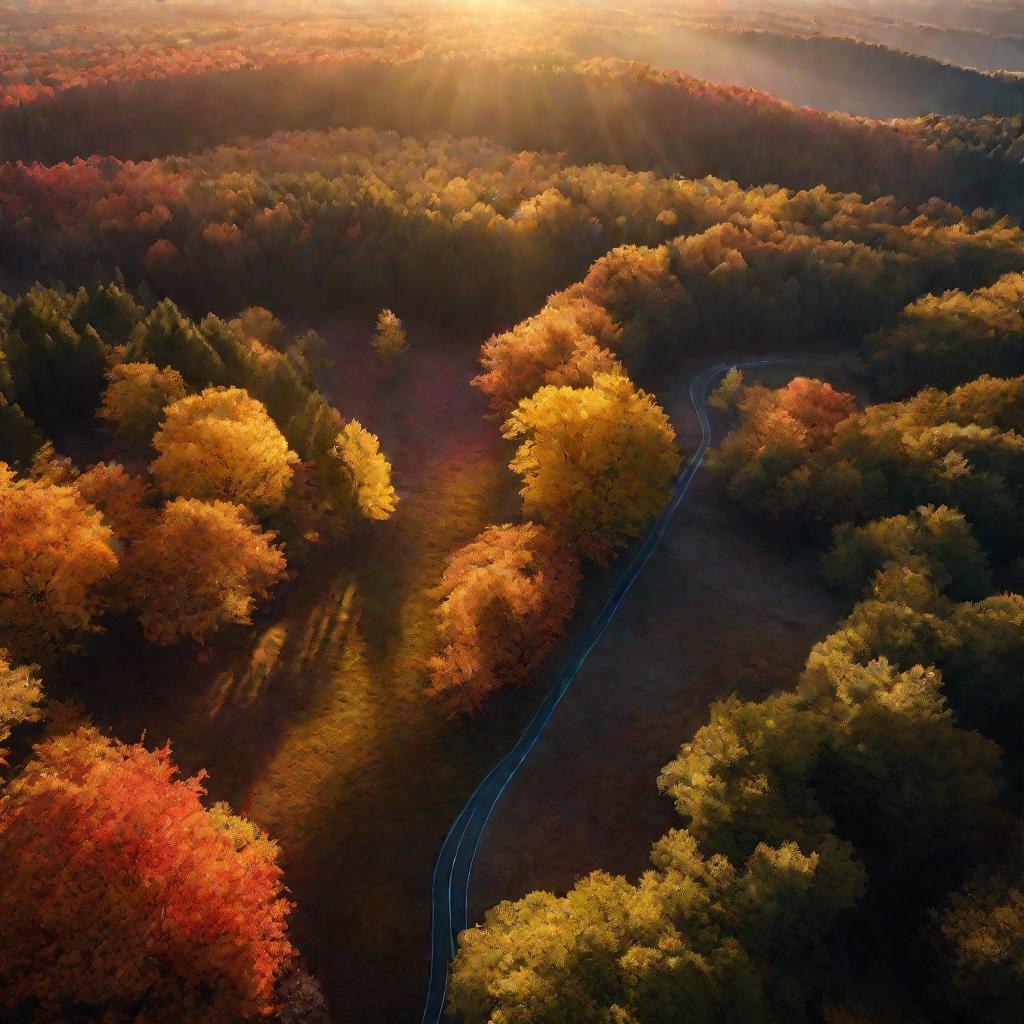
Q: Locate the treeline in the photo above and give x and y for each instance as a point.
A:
(606, 111)
(815, 71)
(793, 459)
(465, 229)
(247, 462)
(596, 455)
(949, 339)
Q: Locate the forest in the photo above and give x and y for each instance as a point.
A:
(511, 513)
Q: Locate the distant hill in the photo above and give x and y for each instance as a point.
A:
(829, 73)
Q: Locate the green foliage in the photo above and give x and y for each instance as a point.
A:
(963, 449)
(54, 372)
(696, 939)
(167, 338)
(935, 542)
(984, 672)
(980, 942)
(863, 750)
(19, 438)
(946, 340)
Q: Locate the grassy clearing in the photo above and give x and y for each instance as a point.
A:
(314, 721)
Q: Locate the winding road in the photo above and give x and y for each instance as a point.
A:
(450, 886)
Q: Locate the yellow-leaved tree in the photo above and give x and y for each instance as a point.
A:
(595, 461)
(222, 444)
(135, 398)
(389, 338)
(200, 565)
(366, 471)
(55, 557)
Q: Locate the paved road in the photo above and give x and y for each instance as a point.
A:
(450, 886)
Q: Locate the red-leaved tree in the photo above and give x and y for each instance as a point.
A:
(124, 898)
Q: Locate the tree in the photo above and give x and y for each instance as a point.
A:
(980, 942)
(389, 339)
(365, 470)
(637, 287)
(936, 542)
(135, 398)
(55, 558)
(221, 444)
(566, 343)
(595, 461)
(54, 372)
(168, 338)
(984, 671)
(20, 695)
(866, 752)
(120, 497)
(19, 438)
(946, 340)
(726, 397)
(259, 324)
(127, 898)
(199, 566)
(697, 939)
(110, 309)
(505, 599)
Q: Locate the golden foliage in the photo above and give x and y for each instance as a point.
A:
(358, 453)
(595, 461)
(389, 339)
(222, 444)
(135, 398)
(199, 566)
(20, 695)
(55, 556)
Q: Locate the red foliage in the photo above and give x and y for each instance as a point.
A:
(124, 895)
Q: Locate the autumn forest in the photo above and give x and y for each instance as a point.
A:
(511, 512)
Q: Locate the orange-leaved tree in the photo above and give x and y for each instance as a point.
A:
(595, 461)
(567, 342)
(200, 565)
(125, 898)
(55, 557)
(506, 598)
(222, 444)
(119, 496)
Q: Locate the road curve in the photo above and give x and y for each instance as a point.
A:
(450, 885)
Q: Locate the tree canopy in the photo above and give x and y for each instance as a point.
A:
(127, 896)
